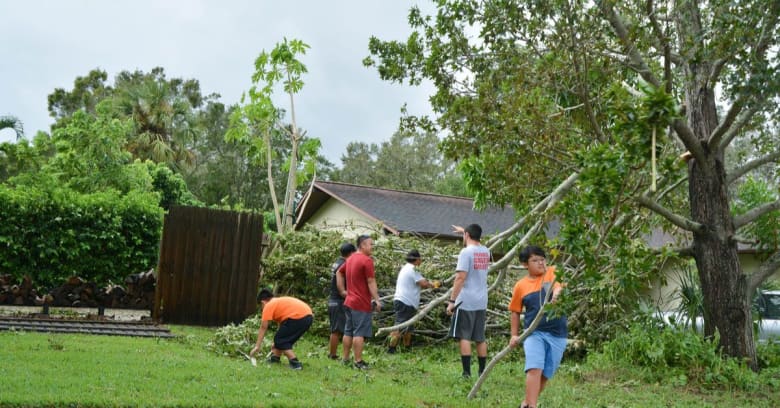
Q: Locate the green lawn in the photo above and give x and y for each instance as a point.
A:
(82, 370)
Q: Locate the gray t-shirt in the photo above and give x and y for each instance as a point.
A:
(474, 260)
(406, 288)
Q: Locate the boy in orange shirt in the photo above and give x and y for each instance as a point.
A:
(294, 318)
(544, 347)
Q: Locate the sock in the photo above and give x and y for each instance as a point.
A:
(481, 361)
(466, 362)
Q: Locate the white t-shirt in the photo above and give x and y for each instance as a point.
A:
(406, 288)
(474, 260)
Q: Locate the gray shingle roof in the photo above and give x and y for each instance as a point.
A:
(406, 211)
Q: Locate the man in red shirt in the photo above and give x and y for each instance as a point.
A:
(294, 318)
(362, 299)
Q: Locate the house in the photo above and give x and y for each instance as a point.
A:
(355, 209)
(358, 209)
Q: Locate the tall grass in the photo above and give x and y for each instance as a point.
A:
(39, 369)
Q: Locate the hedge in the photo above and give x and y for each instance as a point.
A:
(51, 234)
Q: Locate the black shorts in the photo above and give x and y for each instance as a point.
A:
(290, 331)
(403, 312)
(337, 316)
(468, 325)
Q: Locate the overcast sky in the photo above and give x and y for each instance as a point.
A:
(46, 44)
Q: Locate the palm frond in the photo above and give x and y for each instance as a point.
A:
(12, 122)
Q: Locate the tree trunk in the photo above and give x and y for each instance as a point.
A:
(724, 285)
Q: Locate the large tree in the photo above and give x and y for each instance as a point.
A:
(612, 92)
(410, 161)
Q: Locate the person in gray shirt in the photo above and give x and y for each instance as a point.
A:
(468, 301)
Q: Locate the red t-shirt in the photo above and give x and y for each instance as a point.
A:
(358, 269)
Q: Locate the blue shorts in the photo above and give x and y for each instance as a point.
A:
(544, 351)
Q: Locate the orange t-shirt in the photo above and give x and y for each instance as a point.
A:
(529, 293)
(282, 308)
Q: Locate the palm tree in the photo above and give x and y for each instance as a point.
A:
(12, 122)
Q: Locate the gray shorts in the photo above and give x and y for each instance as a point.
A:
(468, 325)
(403, 312)
(337, 316)
(358, 323)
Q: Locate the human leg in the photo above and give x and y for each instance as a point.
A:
(465, 356)
(407, 339)
(333, 343)
(394, 337)
(361, 330)
(338, 321)
(346, 341)
(357, 347)
(533, 380)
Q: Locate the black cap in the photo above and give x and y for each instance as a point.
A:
(347, 248)
(413, 255)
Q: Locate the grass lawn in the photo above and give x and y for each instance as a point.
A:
(38, 369)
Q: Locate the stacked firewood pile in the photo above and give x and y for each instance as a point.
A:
(137, 293)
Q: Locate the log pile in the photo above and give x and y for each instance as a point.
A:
(17, 293)
(137, 293)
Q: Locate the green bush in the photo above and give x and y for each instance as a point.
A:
(678, 357)
(51, 233)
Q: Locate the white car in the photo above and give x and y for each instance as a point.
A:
(767, 304)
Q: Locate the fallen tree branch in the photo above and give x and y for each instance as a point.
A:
(433, 303)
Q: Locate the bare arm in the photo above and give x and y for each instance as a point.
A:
(457, 286)
(514, 329)
(374, 292)
(340, 282)
(260, 335)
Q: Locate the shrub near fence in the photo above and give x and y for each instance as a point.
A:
(55, 233)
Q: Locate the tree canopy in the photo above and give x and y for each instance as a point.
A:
(612, 93)
(409, 161)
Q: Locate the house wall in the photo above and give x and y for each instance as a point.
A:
(662, 293)
(333, 215)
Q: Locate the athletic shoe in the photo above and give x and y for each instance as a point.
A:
(391, 350)
(333, 357)
(345, 362)
(274, 359)
(361, 365)
(296, 365)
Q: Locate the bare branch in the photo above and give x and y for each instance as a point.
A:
(424, 311)
(635, 59)
(690, 141)
(725, 124)
(752, 165)
(682, 251)
(548, 202)
(678, 220)
(738, 124)
(671, 188)
(767, 269)
(752, 215)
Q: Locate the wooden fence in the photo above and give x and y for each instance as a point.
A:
(209, 265)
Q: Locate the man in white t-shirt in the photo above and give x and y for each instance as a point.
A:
(468, 301)
(407, 297)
